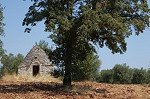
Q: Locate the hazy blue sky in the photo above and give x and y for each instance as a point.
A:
(16, 41)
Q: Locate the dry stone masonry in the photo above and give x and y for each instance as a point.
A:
(35, 63)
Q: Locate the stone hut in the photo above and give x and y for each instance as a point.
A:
(35, 63)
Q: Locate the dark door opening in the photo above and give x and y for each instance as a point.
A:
(35, 70)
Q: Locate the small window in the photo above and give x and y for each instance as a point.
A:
(35, 57)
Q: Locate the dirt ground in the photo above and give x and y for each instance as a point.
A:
(80, 90)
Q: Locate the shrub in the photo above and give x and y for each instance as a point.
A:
(106, 76)
(148, 76)
(139, 76)
(122, 74)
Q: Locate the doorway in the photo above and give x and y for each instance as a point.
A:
(36, 70)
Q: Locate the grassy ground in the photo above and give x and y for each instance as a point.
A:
(38, 78)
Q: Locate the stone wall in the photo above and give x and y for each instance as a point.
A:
(36, 56)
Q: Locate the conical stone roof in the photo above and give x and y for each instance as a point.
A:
(36, 54)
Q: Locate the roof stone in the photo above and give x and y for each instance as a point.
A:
(36, 54)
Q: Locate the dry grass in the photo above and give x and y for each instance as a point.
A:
(38, 78)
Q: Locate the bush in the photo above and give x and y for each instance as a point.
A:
(1, 72)
(148, 76)
(106, 76)
(122, 74)
(139, 76)
(86, 69)
(10, 63)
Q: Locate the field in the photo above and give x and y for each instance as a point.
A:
(79, 90)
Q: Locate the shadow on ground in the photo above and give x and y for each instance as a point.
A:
(29, 87)
(48, 88)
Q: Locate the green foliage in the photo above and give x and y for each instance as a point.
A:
(122, 74)
(148, 76)
(82, 69)
(10, 63)
(105, 76)
(86, 69)
(1, 72)
(139, 76)
(111, 20)
(100, 22)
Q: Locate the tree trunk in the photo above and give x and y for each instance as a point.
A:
(68, 57)
(67, 77)
(67, 63)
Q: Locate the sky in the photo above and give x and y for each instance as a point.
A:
(16, 41)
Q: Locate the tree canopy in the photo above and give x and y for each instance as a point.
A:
(88, 22)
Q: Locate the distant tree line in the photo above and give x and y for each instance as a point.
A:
(123, 74)
(10, 64)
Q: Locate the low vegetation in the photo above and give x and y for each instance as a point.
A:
(123, 74)
(10, 64)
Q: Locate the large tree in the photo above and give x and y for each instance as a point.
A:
(99, 22)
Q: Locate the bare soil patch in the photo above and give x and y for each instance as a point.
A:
(79, 90)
